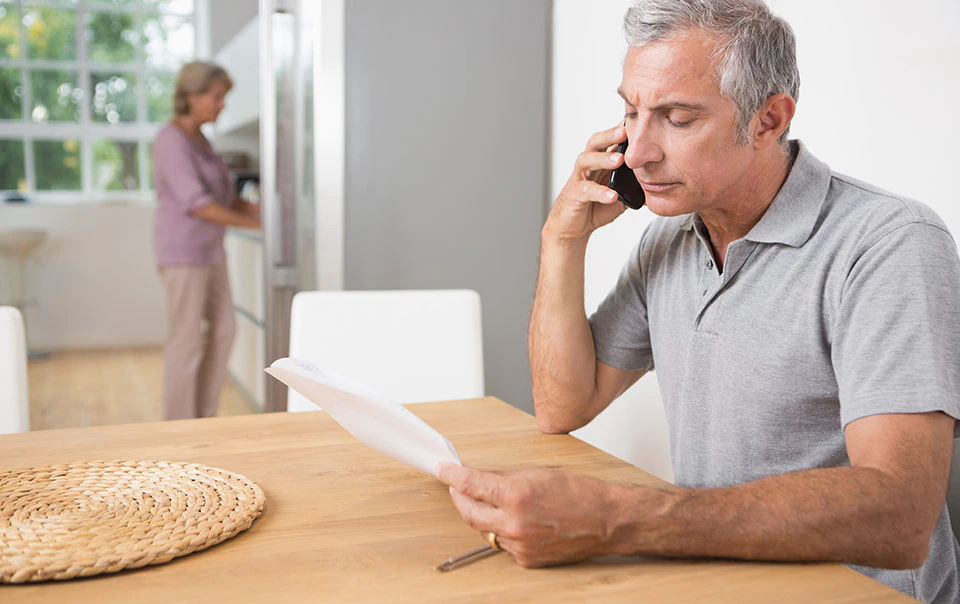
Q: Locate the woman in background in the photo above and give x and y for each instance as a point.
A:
(196, 201)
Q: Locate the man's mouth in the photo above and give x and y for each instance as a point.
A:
(656, 187)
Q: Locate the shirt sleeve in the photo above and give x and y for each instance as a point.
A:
(621, 331)
(173, 164)
(897, 335)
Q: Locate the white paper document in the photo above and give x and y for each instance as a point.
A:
(385, 425)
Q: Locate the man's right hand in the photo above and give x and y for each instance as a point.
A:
(586, 203)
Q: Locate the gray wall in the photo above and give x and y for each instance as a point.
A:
(227, 17)
(446, 128)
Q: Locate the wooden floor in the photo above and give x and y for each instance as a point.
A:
(91, 388)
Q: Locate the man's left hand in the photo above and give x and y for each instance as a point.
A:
(541, 516)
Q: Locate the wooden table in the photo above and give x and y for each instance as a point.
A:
(343, 523)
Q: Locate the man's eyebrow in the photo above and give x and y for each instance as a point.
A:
(666, 106)
(679, 105)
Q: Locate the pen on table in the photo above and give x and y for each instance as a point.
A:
(463, 559)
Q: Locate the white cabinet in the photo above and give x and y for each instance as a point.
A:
(245, 267)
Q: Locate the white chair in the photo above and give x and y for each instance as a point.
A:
(14, 409)
(16, 246)
(411, 346)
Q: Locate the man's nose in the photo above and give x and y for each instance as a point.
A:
(642, 148)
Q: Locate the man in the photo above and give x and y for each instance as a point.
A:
(805, 329)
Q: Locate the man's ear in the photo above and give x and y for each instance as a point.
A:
(772, 120)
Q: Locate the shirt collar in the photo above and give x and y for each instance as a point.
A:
(793, 213)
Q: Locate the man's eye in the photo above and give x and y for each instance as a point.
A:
(679, 123)
(630, 116)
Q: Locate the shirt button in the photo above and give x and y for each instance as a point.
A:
(710, 264)
(704, 292)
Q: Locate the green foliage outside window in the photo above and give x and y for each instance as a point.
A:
(111, 37)
(9, 31)
(115, 166)
(11, 92)
(57, 163)
(55, 95)
(51, 33)
(114, 97)
(167, 41)
(133, 48)
(160, 96)
(12, 170)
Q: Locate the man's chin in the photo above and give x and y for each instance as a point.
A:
(666, 206)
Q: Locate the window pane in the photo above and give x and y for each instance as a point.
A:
(57, 164)
(55, 96)
(160, 96)
(51, 33)
(9, 31)
(115, 166)
(12, 171)
(110, 37)
(11, 92)
(181, 7)
(168, 41)
(114, 97)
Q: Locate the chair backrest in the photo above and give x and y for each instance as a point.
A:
(411, 346)
(14, 408)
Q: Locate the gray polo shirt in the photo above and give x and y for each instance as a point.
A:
(842, 302)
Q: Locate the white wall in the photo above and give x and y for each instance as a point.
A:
(880, 81)
(226, 18)
(240, 57)
(878, 99)
(93, 282)
(588, 51)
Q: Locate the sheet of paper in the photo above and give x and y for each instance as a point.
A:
(385, 425)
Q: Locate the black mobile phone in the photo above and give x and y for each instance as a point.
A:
(625, 184)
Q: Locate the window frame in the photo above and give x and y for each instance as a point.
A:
(86, 130)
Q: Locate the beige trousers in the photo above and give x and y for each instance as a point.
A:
(195, 358)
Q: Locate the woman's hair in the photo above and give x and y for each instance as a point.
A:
(757, 50)
(197, 78)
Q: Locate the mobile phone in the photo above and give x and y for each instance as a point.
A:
(625, 183)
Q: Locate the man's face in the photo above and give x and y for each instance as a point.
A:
(683, 134)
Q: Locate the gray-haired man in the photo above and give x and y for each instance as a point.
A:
(805, 329)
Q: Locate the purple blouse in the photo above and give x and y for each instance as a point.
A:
(187, 177)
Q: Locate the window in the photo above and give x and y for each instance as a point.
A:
(84, 87)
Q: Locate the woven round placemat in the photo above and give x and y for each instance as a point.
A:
(84, 519)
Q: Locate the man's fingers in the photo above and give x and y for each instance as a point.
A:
(484, 486)
(596, 161)
(589, 191)
(480, 515)
(603, 139)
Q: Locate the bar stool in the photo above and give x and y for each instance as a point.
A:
(16, 246)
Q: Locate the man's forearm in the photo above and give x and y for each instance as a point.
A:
(562, 356)
(853, 515)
